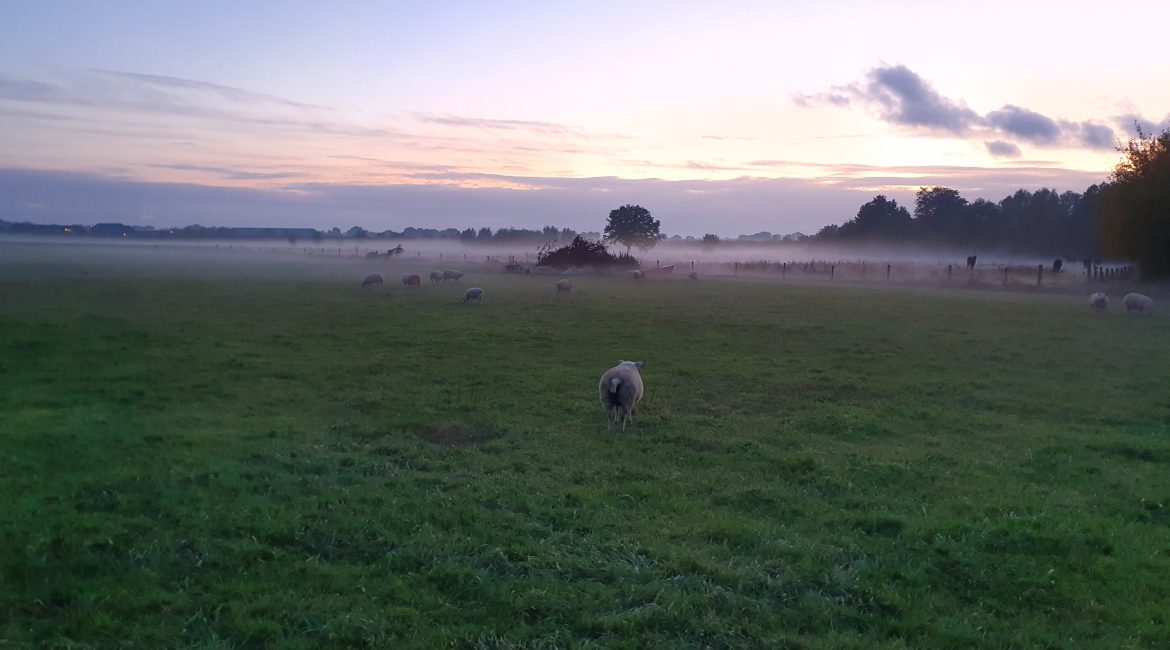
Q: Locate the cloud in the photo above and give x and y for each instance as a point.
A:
(1024, 124)
(1001, 149)
(907, 99)
(899, 96)
(487, 123)
(234, 174)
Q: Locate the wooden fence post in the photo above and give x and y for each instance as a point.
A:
(1039, 273)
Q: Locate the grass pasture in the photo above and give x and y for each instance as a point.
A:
(209, 453)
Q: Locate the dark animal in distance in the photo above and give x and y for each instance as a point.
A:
(411, 280)
(971, 261)
(372, 279)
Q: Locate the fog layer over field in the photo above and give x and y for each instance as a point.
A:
(665, 253)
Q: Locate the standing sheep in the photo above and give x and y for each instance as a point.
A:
(474, 293)
(452, 275)
(564, 286)
(1098, 301)
(436, 276)
(411, 280)
(621, 389)
(372, 279)
(1139, 302)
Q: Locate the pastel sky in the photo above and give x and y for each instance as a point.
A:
(729, 117)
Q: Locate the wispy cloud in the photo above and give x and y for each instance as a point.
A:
(899, 96)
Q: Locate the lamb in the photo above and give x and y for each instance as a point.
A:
(373, 278)
(410, 279)
(452, 275)
(693, 276)
(1139, 302)
(563, 286)
(436, 276)
(1098, 301)
(621, 389)
(474, 293)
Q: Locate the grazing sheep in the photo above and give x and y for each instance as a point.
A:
(452, 275)
(693, 275)
(436, 276)
(474, 293)
(411, 280)
(373, 278)
(1098, 301)
(1139, 302)
(621, 389)
(563, 286)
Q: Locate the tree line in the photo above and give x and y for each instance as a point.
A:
(1127, 216)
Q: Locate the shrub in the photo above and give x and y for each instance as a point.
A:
(583, 252)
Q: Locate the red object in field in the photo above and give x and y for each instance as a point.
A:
(662, 270)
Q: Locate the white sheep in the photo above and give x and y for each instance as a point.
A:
(1098, 301)
(474, 293)
(371, 279)
(563, 286)
(621, 389)
(1139, 302)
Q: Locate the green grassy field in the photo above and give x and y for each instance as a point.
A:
(244, 454)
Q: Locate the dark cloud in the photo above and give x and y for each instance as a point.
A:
(1129, 123)
(1001, 149)
(907, 99)
(1025, 124)
(900, 96)
(1096, 136)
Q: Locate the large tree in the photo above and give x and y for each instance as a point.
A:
(1136, 204)
(632, 225)
(940, 213)
(880, 219)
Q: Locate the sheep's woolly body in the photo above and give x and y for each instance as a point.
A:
(621, 389)
(1098, 301)
(1138, 302)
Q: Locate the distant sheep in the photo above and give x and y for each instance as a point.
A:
(971, 261)
(1139, 302)
(474, 293)
(436, 276)
(452, 275)
(693, 276)
(372, 279)
(637, 275)
(411, 280)
(621, 389)
(563, 286)
(1098, 301)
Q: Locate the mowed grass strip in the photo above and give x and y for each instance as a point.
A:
(265, 455)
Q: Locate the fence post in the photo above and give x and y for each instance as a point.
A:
(784, 269)
(692, 265)
(832, 271)
(736, 272)
(949, 273)
(1005, 274)
(888, 267)
(1039, 273)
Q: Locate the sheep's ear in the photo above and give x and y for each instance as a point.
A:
(639, 363)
